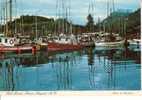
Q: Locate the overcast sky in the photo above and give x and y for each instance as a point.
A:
(79, 8)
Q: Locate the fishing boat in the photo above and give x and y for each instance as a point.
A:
(64, 43)
(10, 44)
(7, 41)
(86, 40)
(109, 40)
(109, 44)
(41, 43)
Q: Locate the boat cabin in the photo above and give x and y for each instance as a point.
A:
(64, 39)
(7, 41)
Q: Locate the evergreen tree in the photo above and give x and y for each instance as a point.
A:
(90, 23)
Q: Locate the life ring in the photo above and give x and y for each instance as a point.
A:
(11, 42)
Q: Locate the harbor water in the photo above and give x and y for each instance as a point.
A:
(88, 69)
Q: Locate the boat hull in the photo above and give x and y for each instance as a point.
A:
(63, 47)
(110, 44)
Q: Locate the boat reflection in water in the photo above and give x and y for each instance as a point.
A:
(89, 69)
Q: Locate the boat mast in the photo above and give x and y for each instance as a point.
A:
(110, 10)
(15, 27)
(91, 12)
(70, 22)
(36, 26)
(58, 17)
(56, 30)
(22, 19)
(6, 18)
(10, 18)
(63, 16)
(66, 20)
(10, 9)
(1, 18)
(107, 12)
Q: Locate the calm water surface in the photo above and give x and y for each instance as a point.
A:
(89, 69)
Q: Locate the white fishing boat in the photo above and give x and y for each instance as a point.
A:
(109, 44)
(109, 40)
(7, 41)
(9, 44)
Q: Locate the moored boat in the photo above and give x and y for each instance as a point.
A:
(41, 43)
(64, 43)
(7, 41)
(10, 44)
(86, 40)
(109, 40)
(109, 44)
